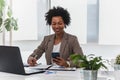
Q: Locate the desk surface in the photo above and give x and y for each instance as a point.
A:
(55, 75)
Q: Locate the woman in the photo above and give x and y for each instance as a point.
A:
(58, 18)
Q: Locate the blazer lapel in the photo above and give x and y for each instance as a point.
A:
(51, 43)
(63, 44)
(50, 48)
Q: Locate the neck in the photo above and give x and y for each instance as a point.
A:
(59, 36)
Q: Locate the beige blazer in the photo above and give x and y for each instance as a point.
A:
(69, 45)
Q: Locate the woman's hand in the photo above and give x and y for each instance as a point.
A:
(32, 61)
(60, 61)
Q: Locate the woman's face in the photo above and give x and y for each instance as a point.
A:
(57, 24)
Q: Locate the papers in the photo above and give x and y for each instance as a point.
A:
(27, 65)
(59, 68)
(50, 67)
(40, 67)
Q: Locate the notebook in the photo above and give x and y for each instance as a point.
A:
(11, 61)
(60, 68)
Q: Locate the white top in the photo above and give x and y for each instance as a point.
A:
(56, 48)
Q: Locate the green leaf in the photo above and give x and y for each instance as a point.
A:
(117, 60)
(2, 5)
(1, 21)
(7, 24)
(89, 62)
(1, 14)
(9, 13)
(11, 23)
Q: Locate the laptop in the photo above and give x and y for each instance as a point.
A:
(11, 61)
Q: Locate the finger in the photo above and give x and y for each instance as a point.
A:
(58, 62)
(32, 62)
(59, 58)
(55, 60)
(29, 61)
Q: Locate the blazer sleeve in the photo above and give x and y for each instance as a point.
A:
(76, 47)
(40, 49)
(76, 50)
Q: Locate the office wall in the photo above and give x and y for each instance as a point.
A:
(27, 46)
(31, 20)
(106, 51)
(26, 13)
(109, 22)
(78, 14)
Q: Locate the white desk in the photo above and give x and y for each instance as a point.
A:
(57, 75)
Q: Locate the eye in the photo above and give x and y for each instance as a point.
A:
(53, 24)
(60, 23)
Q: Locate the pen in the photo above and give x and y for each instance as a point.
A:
(35, 56)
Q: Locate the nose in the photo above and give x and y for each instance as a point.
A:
(57, 25)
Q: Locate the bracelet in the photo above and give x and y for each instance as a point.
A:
(68, 63)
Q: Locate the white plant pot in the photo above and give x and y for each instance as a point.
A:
(116, 75)
(90, 74)
(116, 67)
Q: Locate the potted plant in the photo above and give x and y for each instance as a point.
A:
(117, 63)
(90, 65)
(2, 5)
(7, 20)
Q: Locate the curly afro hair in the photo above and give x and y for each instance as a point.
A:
(58, 11)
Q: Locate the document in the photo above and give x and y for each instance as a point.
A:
(59, 68)
(50, 67)
(40, 67)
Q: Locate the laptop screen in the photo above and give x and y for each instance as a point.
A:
(11, 61)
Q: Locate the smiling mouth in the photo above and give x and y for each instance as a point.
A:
(57, 30)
